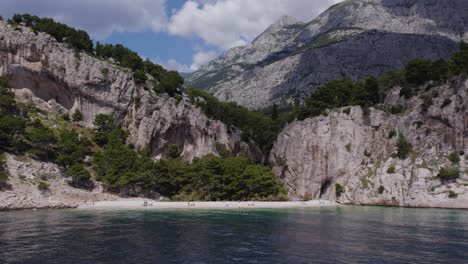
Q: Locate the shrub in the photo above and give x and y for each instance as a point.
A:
(3, 170)
(66, 117)
(452, 194)
(140, 77)
(80, 176)
(42, 186)
(339, 189)
(104, 71)
(77, 116)
(396, 109)
(173, 151)
(418, 71)
(404, 148)
(449, 174)
(459, 63)
(348, 147)
(454, 157)
(222, 150)
(391, 169)
(381, 189)
(137, 102)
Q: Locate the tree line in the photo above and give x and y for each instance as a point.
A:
(120, 167)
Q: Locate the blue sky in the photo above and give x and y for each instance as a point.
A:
(179, 34)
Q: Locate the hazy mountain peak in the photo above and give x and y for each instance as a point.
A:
(285, 21)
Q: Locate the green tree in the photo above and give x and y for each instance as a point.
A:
(459, 63)
(372, 88)
(12, 124)
(140, 77)
(104, 128)
(274, 112)
(418, 71)
(3, 170)
(454, 157)
(80, 176)
(77, 116)
(42, 140)
(404, 147)
(439, 70)
(173, 151)
(71, 148)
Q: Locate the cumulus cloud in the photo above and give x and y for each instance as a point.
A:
(199, 58)
(230, 23)
(99, 17)
(174, 65)
(202, 57)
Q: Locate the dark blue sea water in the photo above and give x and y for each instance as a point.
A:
(331, 235)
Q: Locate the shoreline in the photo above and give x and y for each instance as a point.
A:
(154, 205)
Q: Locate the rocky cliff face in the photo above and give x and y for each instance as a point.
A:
(356, 38)
(62, 80)
(356, 151)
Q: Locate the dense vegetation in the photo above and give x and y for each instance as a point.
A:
(120, 168)
(3, 171)
(166, 81)
(260, 127)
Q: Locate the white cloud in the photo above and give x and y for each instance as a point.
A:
(174, 65)
(230, 23)
(199, 58)
(202, 57)
(99, 17)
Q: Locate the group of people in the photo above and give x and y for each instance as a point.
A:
(145, 203)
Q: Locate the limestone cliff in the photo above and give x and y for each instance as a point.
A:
(355, 148)
(63, 81)
(356, 38)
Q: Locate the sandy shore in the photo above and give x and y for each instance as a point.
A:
(149, 204)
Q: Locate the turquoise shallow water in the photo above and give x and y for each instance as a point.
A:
(329, 235)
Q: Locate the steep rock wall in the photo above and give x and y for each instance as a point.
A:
(355, 151)
(65, 81)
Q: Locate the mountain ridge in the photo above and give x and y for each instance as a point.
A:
(242, 72)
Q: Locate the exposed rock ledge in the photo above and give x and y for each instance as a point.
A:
(46, 71)
(22, 192)
(355, 151)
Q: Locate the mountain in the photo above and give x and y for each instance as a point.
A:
(355, 39)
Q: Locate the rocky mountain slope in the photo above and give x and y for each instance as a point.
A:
(352, 152)
(61, 80)
(21, 191)
(356, 38)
